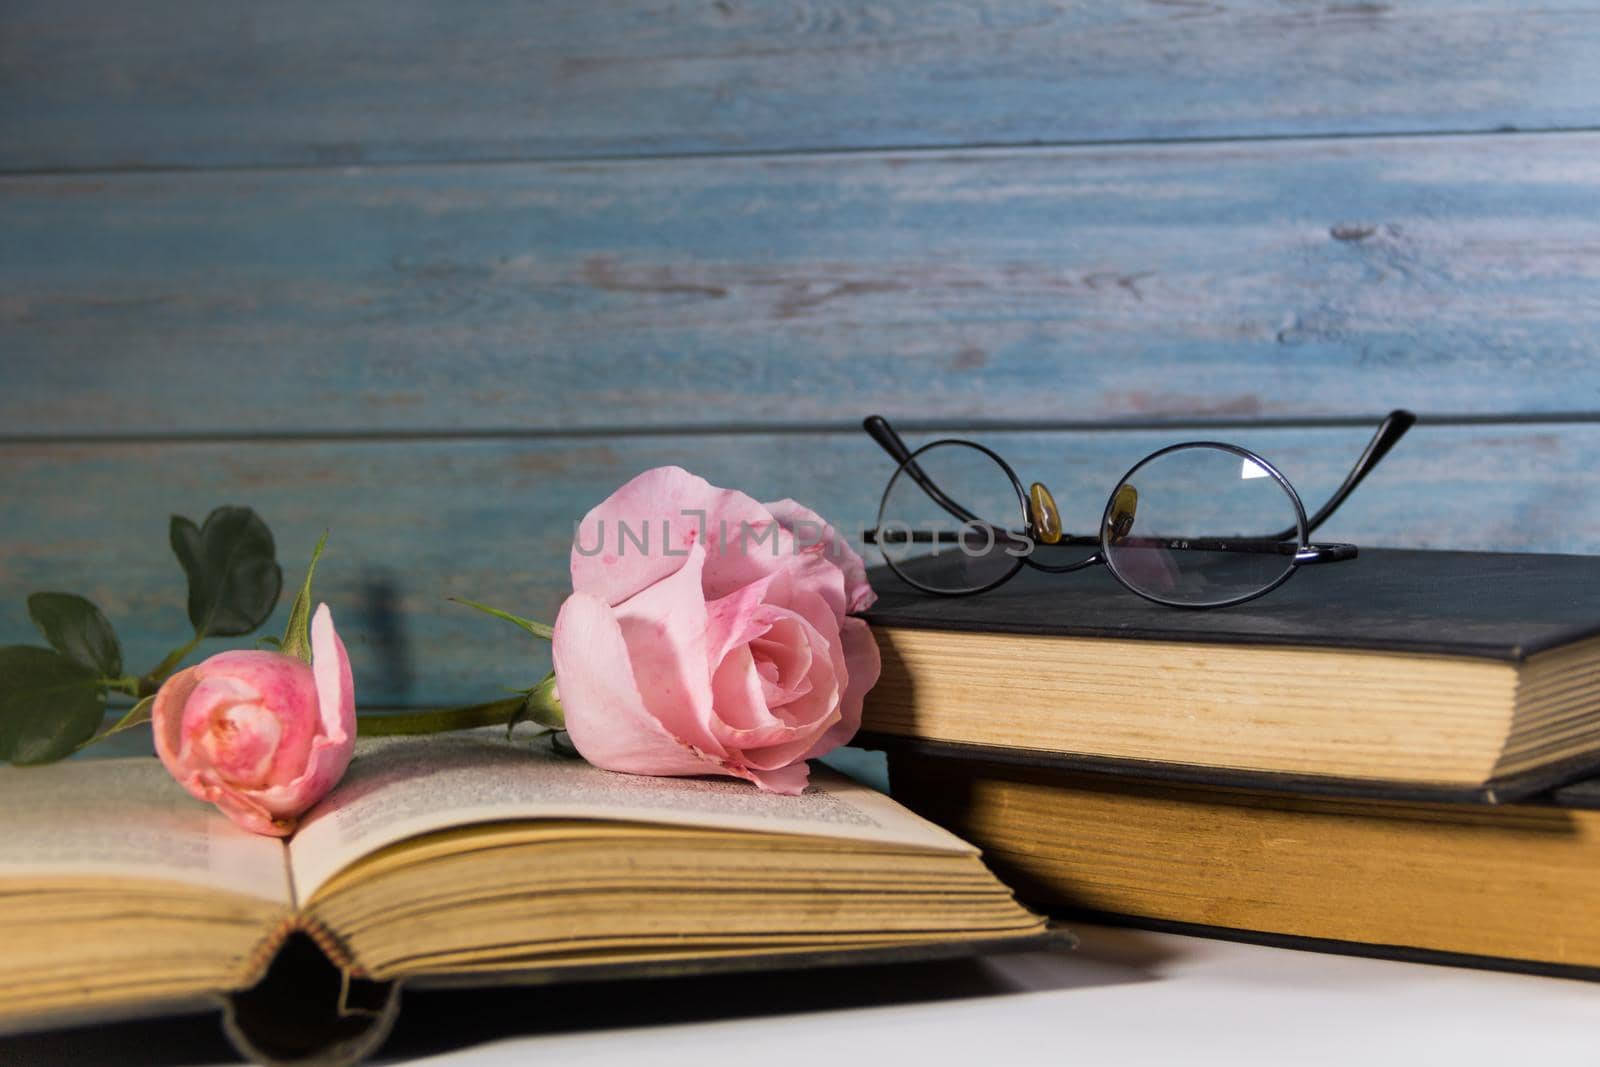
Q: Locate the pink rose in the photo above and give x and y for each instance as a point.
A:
(710, 634)
(261, 735)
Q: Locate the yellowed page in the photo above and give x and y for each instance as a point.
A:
(404, 786)
(128, 818)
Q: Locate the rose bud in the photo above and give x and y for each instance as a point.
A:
(724, 645)
(262, 735)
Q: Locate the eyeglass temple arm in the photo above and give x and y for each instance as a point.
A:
(1394, 426)
(879, 430)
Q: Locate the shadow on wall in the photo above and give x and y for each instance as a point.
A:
(384, 628)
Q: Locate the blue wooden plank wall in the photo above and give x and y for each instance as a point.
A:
(440, 276)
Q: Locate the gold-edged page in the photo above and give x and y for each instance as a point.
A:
(400, 787)
(127, 818)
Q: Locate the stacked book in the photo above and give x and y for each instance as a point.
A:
(1386, 757)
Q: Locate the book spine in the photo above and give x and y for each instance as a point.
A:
(308, 1007)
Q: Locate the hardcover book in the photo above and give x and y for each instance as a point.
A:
(1466, 882)
(458, 858)
(1446, 674)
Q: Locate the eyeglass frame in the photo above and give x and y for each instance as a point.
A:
(1389, 432)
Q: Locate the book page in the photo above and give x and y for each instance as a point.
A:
(400, 787)
(127, 818)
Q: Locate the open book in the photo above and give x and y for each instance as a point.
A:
(459, 857)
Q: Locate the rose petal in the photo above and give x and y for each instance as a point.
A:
(737, 692)
(330, 664)
(664, 628)
(789, 781)
(606, 715)
(284, 686)
(863, 665)
(811, 529)
(205, 708)
(334, 721)
(166, 722)
(669, 510)
(764, 737)
(747, 727)
(240, 741)
(252, 816)
(822, 630)
(336, 692)
(731, 620)
(783, 659)
(326, 766)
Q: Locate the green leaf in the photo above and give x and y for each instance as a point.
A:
(137, 715)
(49, 705)
(540, 706)
(268, 641)
(77, 629)
(537, 629)
(234, 577)
(297, 635)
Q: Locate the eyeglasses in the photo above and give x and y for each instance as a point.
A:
(1195, 525)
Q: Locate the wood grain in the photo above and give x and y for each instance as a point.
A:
(415, 521)
(1235, 282)
(194, 83)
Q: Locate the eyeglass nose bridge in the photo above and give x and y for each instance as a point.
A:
(1045, 516)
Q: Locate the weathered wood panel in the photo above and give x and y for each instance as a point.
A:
(1282, 280)
(91, 84)
(492, 519)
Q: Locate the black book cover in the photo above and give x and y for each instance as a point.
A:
(1569, 783)
(1493, 605)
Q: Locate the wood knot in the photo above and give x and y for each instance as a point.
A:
(1351, 231)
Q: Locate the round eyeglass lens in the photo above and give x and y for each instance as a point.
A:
(1199, 525)
(952, 520)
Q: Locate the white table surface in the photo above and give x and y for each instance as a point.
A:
(1124, 997)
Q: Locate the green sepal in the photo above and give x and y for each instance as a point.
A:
(78, 630)
(49, 704)
(561, 744)
(137, 715)
(297, 635)
(541, 705)
(234, 577)
(537, 629)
